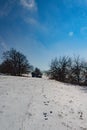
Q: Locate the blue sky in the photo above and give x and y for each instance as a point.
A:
(44, 29)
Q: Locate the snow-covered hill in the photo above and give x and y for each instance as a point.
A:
(41, 104)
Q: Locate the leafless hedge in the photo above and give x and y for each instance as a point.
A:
(69, 70)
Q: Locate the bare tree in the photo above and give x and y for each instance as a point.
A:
(84, 73)
(15, 63)
(76, 71)
(59, 68)
(54, 69)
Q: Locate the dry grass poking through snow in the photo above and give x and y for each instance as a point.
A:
(41, 104)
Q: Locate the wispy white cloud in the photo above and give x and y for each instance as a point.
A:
(71, 34)
(6, 7)
(31, 21)
(36, 24)
(83, 31)
(72, 3)
(29, 4)
(3, 44)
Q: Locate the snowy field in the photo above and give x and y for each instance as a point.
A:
(41, 104)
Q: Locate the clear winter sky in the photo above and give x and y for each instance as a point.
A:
(44, 29)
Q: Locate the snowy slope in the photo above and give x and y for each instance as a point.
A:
(41, 104)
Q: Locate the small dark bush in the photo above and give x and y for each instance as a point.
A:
(37, 73)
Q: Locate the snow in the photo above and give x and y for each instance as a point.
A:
(41, 104)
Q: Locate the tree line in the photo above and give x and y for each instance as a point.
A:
(64, 69)
(68, 70)
(15, 63)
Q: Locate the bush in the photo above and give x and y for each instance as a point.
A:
(37, 73)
